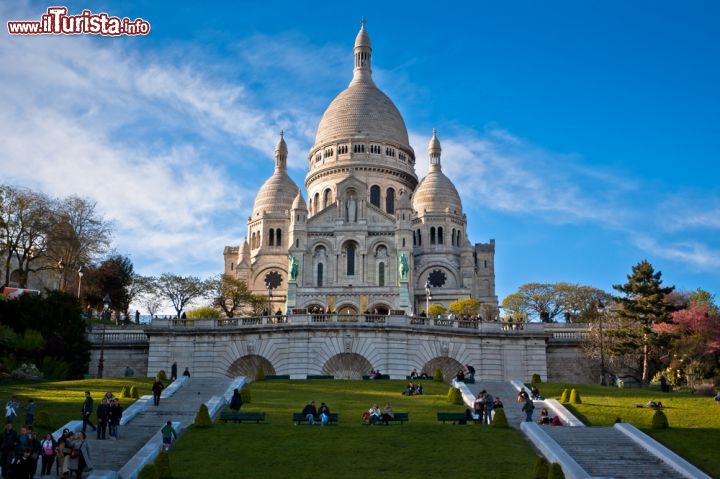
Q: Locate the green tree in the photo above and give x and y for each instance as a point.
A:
(203, 312)
(549, 302)
(643, 305)
(180, 290)
(435, 309)
(229, 294)
(113, 276)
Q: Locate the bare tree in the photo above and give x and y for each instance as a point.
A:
(180, 290)
(229, 294)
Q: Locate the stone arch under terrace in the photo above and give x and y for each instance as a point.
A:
(347, 366)
(249, 365)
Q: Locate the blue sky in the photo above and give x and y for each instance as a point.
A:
(583, 136)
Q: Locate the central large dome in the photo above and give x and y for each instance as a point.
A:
(362, 111)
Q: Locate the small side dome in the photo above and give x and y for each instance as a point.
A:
(278, 192)
(299, 203)
(436, 193)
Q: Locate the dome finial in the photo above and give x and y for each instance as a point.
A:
(281, 152)
(362, 23)
(434, 151)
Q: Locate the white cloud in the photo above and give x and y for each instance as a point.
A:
(689, 252)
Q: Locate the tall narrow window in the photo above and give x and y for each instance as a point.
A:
(381, 274)
(252, 241)
(319, 275)
(414, 238)
(390, 201)
(350, 253)
(432, 235)
(271, 238)
(326, 198)
(452, 238)
(278, 237)
(419, 238)
(317, 202)
(440, 235)
(375, 195)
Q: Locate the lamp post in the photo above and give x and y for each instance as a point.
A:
(60, 266)
(427, 298)
(269, 291)
(80, 275)
(601, 314)
(106, 310)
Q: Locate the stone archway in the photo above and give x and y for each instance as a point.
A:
(347, 366)
(248, 366)
(448, 366)
(380, 307)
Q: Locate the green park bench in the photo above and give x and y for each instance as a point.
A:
(455, 417)
(299, 418)
(242, 416)
(319, 376)
(271, 377)
(400, 417)
(382, 376)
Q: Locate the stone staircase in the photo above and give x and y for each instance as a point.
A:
(111, 455)
(607, 452)
(507, 394)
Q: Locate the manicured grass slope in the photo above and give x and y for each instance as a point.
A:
(694, 420)
(63, 399)
(421, 448)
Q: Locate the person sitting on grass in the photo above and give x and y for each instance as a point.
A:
(413, 374)
(324, 413)
(388, 414)
(654, 404)
(375, 414)
(544, 417)
(423, 375)
(556, 421)
(310, 412)
(419, 390)
(409, 390)
(717, 397)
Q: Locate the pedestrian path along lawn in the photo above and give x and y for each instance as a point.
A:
(694, 420)
(63, 399)
(421, 448)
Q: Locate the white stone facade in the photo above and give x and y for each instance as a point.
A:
(365, 214)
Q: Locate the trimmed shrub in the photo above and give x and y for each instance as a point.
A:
(659, 420)
(454, 396)
(162, 463)
(535, 379)
(162, 375)
(125, 392)
(202, 418)
(618, 420)
(260, 375)
(500, 419)
(565, 396)
(438, 377)
(575, 397)
(540, 469)
(246, 395)
(42, 419)
(555, 472)
(149, 471)
(134, 393)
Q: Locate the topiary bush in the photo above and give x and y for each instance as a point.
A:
(125, 392)
(438, 376)
(202, 418)
(575, 397)
(618, 420)
(535, 379)
(500, 419)
(565, 396)
(162, 375)
(162, 463)
(659, 420)
(149, 471)
(555, 471)
(43, 419)
(540, 469)
(260, 375)
(134, 393)
(246, 395)
(454, 396)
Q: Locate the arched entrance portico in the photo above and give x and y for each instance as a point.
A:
(448, 366)
(347, 366)
(248, 366)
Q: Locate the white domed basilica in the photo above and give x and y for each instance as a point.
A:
(370, 237)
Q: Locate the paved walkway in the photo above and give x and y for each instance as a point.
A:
(111, 455)
(607, 452)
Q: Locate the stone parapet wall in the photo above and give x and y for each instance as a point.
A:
(118, 357)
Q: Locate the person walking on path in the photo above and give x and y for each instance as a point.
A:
(114, 416)
(488, 412)
(173, 372)
(80, 455)
(47, 447)
(8, 442)
(102, 418)
(168, 433)
(528, 408)
(30, 413)
(236, 401)
(186, 373)
(157, 388)
(87, 409)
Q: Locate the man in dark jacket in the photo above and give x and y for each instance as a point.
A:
(173, 372)
(236, 401)
(310, 412)
(157, 388)
(102, 418)
(9, 443)
(87, 409)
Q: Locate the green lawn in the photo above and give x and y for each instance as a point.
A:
(63, 399)
(694, 420)
(422, 447)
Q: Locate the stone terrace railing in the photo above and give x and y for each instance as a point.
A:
(568, 332)
(114, 336)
